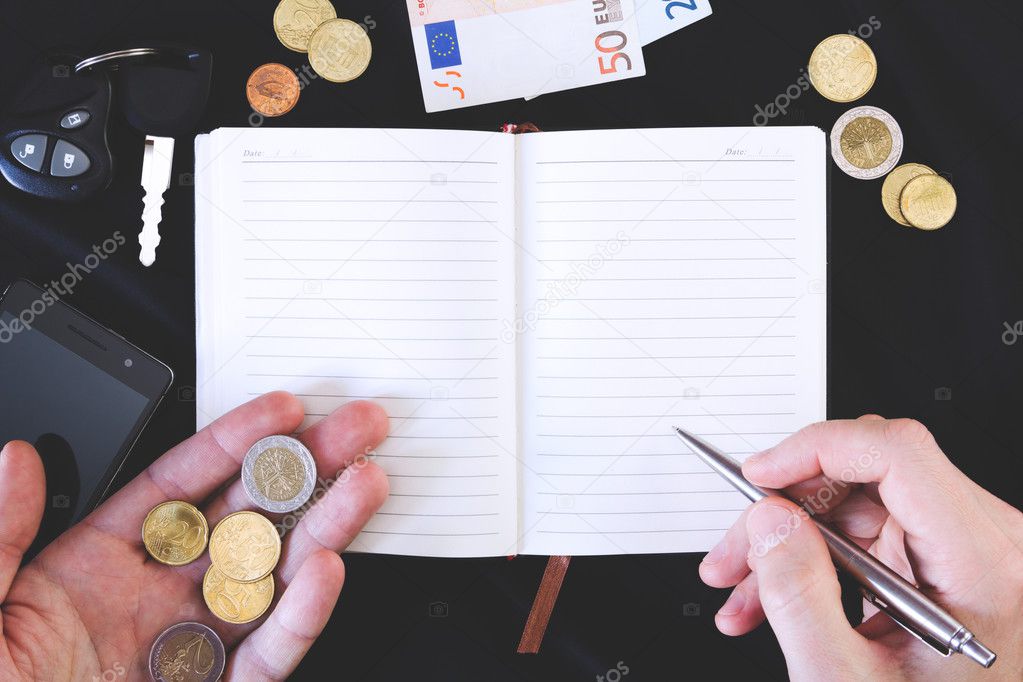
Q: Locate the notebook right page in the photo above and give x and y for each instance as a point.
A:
(667, 276)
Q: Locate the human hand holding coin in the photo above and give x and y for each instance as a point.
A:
(94, 601)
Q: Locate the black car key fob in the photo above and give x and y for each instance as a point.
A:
(54, 132)
(166, 95)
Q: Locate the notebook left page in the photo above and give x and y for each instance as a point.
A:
(349, 264)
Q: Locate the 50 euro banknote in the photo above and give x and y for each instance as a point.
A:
(473, 52)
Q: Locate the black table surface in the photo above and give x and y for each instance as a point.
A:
(917, 325)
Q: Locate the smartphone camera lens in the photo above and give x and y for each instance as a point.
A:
(128, 362)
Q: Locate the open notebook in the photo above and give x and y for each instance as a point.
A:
(533, 311)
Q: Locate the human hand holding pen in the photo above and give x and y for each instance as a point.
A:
(887, 485)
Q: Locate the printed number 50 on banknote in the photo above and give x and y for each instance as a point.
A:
(478, 51)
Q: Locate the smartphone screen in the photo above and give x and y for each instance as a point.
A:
(78, 392)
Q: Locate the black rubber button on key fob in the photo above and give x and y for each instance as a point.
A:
(46, 152)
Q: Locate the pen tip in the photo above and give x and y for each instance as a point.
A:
(976, 651)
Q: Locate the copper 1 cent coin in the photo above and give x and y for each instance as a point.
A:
(273, 89)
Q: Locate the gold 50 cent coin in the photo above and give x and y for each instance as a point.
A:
(928, 202)
(175, 533)
(295, 21)
(340, 50)
(245, 546)
(893, 185)
(235, 602)
(842, 68)
(273, 90)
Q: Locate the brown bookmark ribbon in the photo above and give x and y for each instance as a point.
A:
(543, 604)
(557, 566)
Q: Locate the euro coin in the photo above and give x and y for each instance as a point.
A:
(175, 533)
(245, 546)
(279, 474)
(235, 602)
(296, 20)
(842, 68)
(928, 202)
(866, 142)
(273, 90)
(339, 50)
(187, 652)
(893, 185)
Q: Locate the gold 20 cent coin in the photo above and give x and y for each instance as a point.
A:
(245, 546)
(295, 21)
(175, 533)
(340, 50)
(893, 185)
(842, 68)
(235, 602)
(928, 202)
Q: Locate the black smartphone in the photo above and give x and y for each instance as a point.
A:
(77, 391)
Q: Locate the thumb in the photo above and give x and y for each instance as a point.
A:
(800, 593)
(22, 497)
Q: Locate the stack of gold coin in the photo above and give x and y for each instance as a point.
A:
(866, 142)
(915, 196)
(339, 49)
(244, 550)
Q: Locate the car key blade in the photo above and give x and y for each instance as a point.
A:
(156, 175)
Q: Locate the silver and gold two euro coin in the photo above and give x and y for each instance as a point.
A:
(279, 474)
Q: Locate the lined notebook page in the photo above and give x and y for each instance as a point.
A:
(347, 264)
(674, 277)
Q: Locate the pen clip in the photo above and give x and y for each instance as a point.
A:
(905, 623)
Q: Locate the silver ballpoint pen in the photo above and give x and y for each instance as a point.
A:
(881, 586)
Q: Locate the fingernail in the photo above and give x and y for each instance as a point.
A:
(769, 525)
(715, 554)
(734, 604)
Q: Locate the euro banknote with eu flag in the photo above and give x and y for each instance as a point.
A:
(473, 52)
